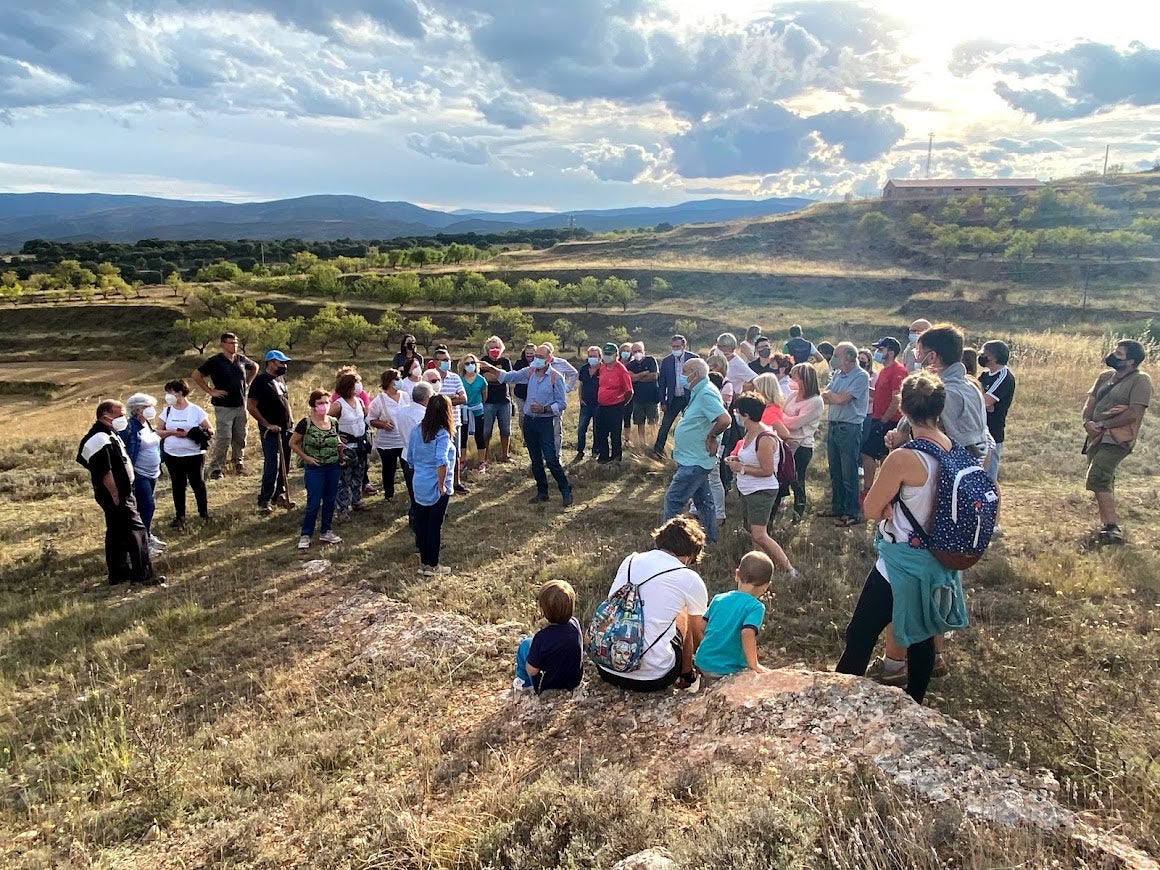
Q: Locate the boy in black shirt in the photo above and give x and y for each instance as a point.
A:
(998, 391)
(554, 657)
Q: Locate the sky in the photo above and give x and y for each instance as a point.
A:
(566, 104)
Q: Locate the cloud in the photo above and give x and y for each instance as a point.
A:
(626, 163)
(461, 149)
(859, 136)
(510, 110)
(7, 118)
(1030, 146)
(966, 57)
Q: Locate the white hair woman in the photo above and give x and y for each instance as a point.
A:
(144, 447)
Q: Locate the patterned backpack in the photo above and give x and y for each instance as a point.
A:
(966, 506)
(615, 635)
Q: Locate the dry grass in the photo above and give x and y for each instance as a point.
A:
(225, 712)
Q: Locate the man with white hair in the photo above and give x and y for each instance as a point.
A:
(410, 416)
(695, 447)
(847, 396)
(910, 355)
(738, 372)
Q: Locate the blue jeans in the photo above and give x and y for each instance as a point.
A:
(321, 492)
(992, 467)
(586, 416)
(692, 481)
(143, 488)
(522, 662)
(675, 406)
(272, 488)
(497, 413)
(540, 437)
(843, 446)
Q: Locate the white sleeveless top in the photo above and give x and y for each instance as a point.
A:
(919, 500)
(747, 483)
(350, 419)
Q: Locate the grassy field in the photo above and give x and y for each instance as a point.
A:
(226, 720)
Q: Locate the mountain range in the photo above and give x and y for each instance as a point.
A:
(73, 217)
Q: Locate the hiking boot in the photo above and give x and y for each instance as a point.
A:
(329, 538)
(216, 474)
(941, 669)
(461, 489)
(877, 672)
(304, 542)
(1111, 534)
(538, 497)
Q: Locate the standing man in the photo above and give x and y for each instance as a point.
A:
(911, 358)
(1112, 413)
(998, 393)
(589, 380)
(269, 404)
(614, 392)
(695, 448)
(672, 394)
(562, 367)
(547, 399)
(451, 386)
(737, 372)
(964, 418)
(763, 362)
(231, 373)
(885, 409)
(848, 397)
(801, 349)
(103, 453)
(644, 373)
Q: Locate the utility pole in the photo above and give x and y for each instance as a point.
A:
(929, 149)
(1107, 150)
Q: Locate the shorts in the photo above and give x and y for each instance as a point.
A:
(874, 444)
(1102, 464)
(623, 682)
(757, 507)
(644, 411)
(494, 413)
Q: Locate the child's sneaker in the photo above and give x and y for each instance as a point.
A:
(329, 538)
(304, 542)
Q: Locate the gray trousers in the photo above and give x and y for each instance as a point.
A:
(229, 428)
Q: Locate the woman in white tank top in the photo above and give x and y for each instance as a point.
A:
(912, 477)
(348, 407)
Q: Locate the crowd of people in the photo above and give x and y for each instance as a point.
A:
(745, 415)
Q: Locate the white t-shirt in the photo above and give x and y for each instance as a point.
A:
(409, 416)
(663, 598)
(739, 373)
(749, 483)
(187, 418)
(148, 463)
(383, 408)
(351, 417)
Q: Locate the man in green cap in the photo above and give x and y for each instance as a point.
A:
(614, 393)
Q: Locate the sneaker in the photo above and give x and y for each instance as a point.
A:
(538, 497)
(154, 552)
(461, 489)
(264, 509)
(216, 474)
(568, 502)
(304, 542)
(603, 460)
(877, 672)
(657, 455)
(177, 523)
(941, 669)
(329, 538)
(156, 543)
(439, 570)
(1112, 534)
(482, 469)
(795, 574)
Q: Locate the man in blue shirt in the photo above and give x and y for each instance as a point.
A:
(546, 401)
(695, 447)
(673, 397)
(847, 397)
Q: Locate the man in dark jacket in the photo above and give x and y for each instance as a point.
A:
(126, 540)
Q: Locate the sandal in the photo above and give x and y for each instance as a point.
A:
(845, 522)
(828, 514)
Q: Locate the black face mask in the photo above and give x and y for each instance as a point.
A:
(410, 345)
(279, 371)
(984, 360)
(764, 353)
(1114, 361)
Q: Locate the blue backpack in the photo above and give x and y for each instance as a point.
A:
(615, 636)
(966, 506)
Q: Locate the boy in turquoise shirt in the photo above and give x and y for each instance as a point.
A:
(733, 620)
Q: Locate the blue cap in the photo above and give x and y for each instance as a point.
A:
(278, 355)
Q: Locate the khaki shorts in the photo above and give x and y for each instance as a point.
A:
(757, 507)
(1102, 464)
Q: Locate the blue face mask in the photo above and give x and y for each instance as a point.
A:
(624, 354)
(469, 368)
(737, 417)
(444, 365)
(538, 363)
(593, 360)
(879, 357)
(398, 385)
(683, 381)
(609, 357)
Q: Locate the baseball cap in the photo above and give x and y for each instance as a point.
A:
(278, 355)
(889, 343)
(611, 348)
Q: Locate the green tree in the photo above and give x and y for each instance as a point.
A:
(223, 271)
(390, 326)
(355, 330)
(10, 287)
(297, 329)
(462, 326)
(425, 331)
(579, 337)
(564, 328)
(325, 326)
(584, 293)
(544, 336)
(1020, 246)
(326, 280)
(510, 323)
(303, 261)
(549, 293)
(660, 288)
(946, 243)
(686, 327)
(196, 333)
(619, 291)
(875, 227)
(526, 292)
(438, 289)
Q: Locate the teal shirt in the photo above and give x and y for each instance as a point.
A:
(730, 612)
(705, 406)
(476, 390)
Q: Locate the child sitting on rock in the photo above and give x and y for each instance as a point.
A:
(554, 657)
(733, 620)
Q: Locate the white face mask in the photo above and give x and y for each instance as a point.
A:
(120, 424)
(358, 387)
(170, 399)
(149, 413)
(638, 356)
(677, 351)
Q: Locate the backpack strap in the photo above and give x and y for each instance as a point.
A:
(653, 577)
(923, 445)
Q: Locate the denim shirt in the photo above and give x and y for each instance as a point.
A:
(548, 390)
(425, 457)
(857, 383)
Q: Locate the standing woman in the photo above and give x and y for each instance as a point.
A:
(315, 442)
(184, 455)
(497, 404)
(407, 355)
(144, 447)
(432, 454)
(351, 413)
(411, 375)
(383, 416)
(754, 467)
(476, 388)
(802, 415)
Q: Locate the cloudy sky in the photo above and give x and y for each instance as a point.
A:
(565, 103)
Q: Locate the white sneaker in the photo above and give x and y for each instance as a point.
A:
(441, 570)
(156, 543)
(304, 542)
(329, 538)
(154, 552)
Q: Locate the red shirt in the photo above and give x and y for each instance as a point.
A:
(615, 382)
(889, 382)
(772, 415)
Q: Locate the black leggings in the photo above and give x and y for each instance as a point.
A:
(183, 469)
(392, 458)
(801, 464)
(874, 611)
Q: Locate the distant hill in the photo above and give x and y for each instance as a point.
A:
(66, 217)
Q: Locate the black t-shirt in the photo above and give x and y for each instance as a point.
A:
(521, 390)
(759, 367)
(497, 394)
(270, 395)
(403, 363)
(228, 376)
(1001, 385)
(557, 650)
(589, 383)
(644, 392)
